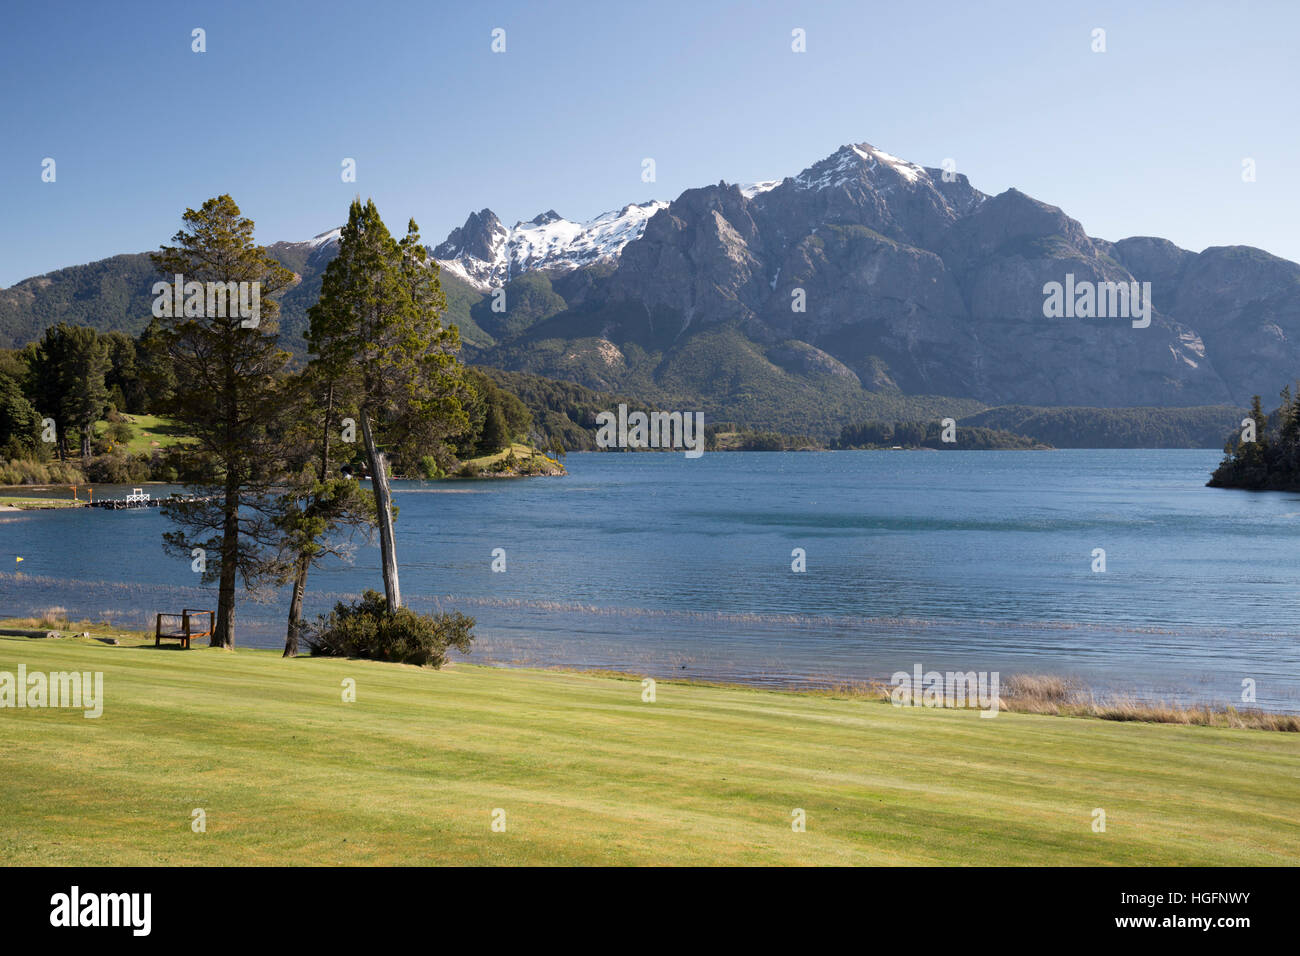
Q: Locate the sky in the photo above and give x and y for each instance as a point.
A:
(1145, 138)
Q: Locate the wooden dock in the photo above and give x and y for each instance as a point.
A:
(138, 498)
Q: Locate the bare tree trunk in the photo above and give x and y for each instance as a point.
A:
(223, 633)
(85, 441)
(304, 557)
(295, 606)
(384, 514)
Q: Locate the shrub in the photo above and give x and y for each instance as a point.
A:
(367, 629)
(119, 432)
(26, 448)
(63, 473)
(160, 467)
(508, 463)
(139, 467)
(109, 469)
(117, 468)
(22, 472)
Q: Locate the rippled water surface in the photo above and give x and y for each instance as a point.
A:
(656, 563)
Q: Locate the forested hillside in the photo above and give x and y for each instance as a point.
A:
(1198, 427)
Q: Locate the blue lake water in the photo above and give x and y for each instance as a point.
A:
(668, 566)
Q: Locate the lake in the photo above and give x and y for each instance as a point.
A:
(673, 567)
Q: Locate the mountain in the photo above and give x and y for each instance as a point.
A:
(112, 295)
(914, 283)
(866, 286)
(115, 294)
(485, 254)
(308, 260)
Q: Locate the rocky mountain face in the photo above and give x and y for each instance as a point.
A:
(863, 279)
(867, 266)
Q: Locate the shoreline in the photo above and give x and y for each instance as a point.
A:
(1041, 694)
(511, 630)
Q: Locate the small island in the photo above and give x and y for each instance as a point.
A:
(1264, 455)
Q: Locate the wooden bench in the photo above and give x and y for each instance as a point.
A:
(182, 627)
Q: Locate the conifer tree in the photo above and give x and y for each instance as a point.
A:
(228, 399)
(375, 332)
(71, 363)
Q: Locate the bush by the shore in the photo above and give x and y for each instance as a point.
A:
(18, 471)
(369, 630)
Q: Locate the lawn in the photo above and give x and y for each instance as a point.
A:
(149, 432)
(28, 503)
(519, 448)
(586, 772)
(522, 452)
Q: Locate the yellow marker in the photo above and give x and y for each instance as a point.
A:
(16, 560)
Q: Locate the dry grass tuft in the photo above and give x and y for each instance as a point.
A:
(1041, 694)
(53, 616)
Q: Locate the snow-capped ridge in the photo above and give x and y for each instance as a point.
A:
(850, 162)
(909, 171)
(547, 241)
(324, 238)
(757, 189)
(485, 253)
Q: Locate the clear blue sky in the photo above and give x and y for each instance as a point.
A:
(1144, 139)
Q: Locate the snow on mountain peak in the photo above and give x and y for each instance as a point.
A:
(909, 171)
(485, 253)
(549, 241)
(849, 162)
(331, 235)
(757, 189)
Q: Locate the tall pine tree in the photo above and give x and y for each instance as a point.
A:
(227, 397)
(375, 331)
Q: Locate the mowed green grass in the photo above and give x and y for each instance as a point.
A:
(148, 433)
(27, 503)
(587, 773)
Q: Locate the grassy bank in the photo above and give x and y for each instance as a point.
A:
(587, 773)
(32, 503)
(515, 460)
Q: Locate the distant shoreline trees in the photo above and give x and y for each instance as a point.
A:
(923, 434)
(1264, 454)
(69, 367)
